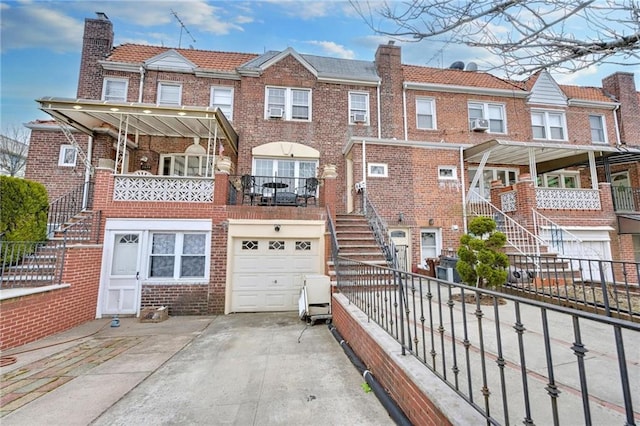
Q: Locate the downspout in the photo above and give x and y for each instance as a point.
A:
(464, 191)
(385, 399)
(364, 177)
(140, 90)
(615, 121)
(379, 109)
(404, 113)
(87, 174)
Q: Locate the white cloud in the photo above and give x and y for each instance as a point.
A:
(333, 49)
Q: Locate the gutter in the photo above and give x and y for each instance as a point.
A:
(396, 414)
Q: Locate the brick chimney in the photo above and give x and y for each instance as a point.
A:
(622, 87)
(96, 45)
(389, 66)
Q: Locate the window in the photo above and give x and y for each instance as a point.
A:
(288, 103)
(178, 255)
(68, 155)
(222, 97)
(114, 89)
(548, 125)
(358, 107)
(185, 165)
(489, 174)
(494, 113)
(562, 179)
(425, 113)
(269, 167)
(377, 170)
(430, 245)
(598, 135)
(447, 173)
(169, 94)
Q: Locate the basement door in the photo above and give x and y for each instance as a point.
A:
(268, 272)
(121, 295)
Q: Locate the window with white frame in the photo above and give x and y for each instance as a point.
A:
(493, 113)
(447, 173)
(560, 179)
(222, 97)
(377, 170)
(68, 156)
(425, 113)
(489, 174)
(169, 94)
(186, 165)
(358, 107)
(288, 103)
(549, 125)
(115, 89)
(178, 255)
(598, 133)
(293, 173)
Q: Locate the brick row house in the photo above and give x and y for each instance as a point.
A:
(215, 172)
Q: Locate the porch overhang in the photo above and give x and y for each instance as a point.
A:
(629, 223)
(548, 156)
(136, 119)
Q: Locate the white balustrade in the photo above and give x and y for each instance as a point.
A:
(163, 188)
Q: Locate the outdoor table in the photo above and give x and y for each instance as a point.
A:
(275, 186)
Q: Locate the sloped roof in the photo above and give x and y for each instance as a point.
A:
(585, 93)
(205, 59)
(448, 76)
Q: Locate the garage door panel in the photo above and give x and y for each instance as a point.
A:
(267, 273)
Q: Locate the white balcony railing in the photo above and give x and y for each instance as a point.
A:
(568, 199)
(163, 188)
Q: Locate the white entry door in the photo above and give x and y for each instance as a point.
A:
(121, 295)
(402, 241)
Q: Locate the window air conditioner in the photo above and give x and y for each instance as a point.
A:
(480, 124)
(359, 118)
(275, 112)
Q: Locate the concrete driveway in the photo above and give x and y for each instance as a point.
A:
(241, 369)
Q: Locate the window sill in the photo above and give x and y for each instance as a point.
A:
(12, 293)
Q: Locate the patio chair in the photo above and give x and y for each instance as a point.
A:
(249, 189)
(308, 191)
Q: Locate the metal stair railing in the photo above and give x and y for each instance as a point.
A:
(518, 237)
(557, 236)
(381, 234)
(68, 206)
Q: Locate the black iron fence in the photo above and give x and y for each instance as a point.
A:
(69, 205)
(273, 191)
(514, 359)
(31, 264)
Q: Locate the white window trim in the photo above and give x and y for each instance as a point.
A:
(485, 114)
(454, 173)
(432, 101)
(177, 255)
(119, 80)
(372, 173)
(169, 83)
(547, 128)
(561, 174)
(604, 129)
(62, 156)
(367, 112)
(288, 103)
(211, 93)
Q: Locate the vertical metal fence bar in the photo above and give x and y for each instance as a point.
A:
(454, 367)
(500, 361)
(441, 330)
(624, 376)
(579, 350)
(483, 361)
(551, 388)
(605, 294)
(467, 345)
(520, 329)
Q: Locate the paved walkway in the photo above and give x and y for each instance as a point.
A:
(246, 369)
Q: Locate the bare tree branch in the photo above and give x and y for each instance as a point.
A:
(14, 146)
(529, 35)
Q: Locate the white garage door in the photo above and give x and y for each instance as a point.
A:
(267, 273)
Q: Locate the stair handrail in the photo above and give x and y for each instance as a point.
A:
(480, 206)
(69, 205)
(335, 247)
(381, 233)
(557, 233)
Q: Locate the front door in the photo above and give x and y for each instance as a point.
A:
(121, 295)
(429, 245)
(400, 238)
(622, 191)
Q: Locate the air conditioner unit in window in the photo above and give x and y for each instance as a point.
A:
(359, 117)
(275, 112)
(480, 124)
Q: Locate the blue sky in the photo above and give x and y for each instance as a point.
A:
(41, 40)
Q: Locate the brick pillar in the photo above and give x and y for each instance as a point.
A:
(96, 45)
(221, 187)
(329, 200)
(103, 187)
(525, 201)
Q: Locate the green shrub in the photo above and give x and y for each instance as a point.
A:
(23, 210)
(481, 262)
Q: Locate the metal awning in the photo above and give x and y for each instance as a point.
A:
(548, 156)
(91, 116)
(629, 223)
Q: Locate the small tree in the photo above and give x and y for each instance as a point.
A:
(480, 261)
